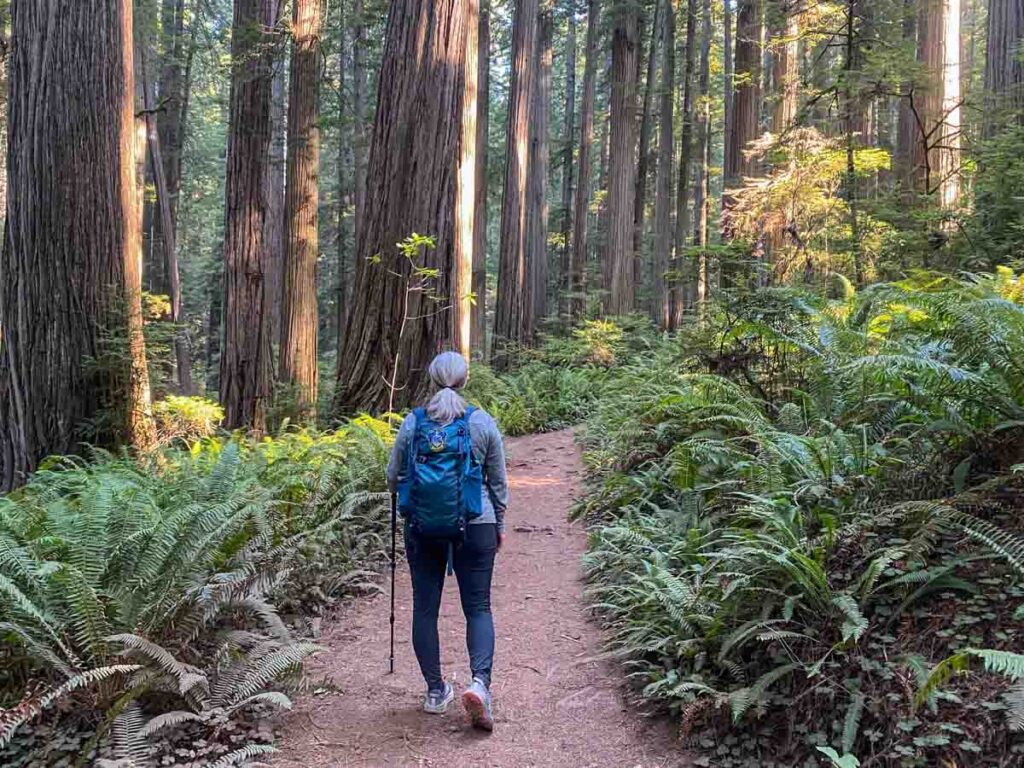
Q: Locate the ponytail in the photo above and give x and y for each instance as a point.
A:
(449, 372)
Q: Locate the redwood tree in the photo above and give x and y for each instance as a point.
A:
(1004, 67)
(299, 321)
(70, 282)
(478, 329)
(513, 316)
(245, 360)
(537, 186)
(683, 273)
(411, 188)
(466, 200)
(578, 256)
(567, 157)
(746, 90)
(936, 101)
(622, 163)
(663, 191)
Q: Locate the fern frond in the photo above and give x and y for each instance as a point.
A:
(32, 707)
(242, 755)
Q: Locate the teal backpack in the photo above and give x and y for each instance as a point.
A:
(442, 489)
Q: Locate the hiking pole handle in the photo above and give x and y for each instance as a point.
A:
(394, 538)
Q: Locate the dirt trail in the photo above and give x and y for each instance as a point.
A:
(555, 705)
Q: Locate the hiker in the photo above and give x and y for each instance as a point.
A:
(448, 468)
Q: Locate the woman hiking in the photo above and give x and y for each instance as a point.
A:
(448, 468)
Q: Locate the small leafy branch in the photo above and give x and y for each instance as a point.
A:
(420, 280)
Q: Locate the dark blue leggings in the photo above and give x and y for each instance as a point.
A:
(473, 561)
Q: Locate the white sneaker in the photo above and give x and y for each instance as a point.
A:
(477, 702)
(436, 702)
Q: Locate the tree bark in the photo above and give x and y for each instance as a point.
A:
(465, 191)
(513, 319)
(578, 258)
(344, 183)
(663, 192)
(478, 331)
(274, 223)
(681, 267)
(401, 316)
(568, 134)
(359, 114)
(299, 316)
(785, 74)
(70, 279)
(747, 90)
(644, 153)
(1004, 67)
(245, 361)
(906, 129)
(537, 186)
(621, 287)
(850, 110)
(936, 101)
(728, 103)
(702, 201)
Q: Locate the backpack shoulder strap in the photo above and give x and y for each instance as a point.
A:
(419, 415)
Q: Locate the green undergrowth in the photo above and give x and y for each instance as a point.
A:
(803, 514)
(155, 611)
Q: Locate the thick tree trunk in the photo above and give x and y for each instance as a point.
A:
(663, 191)
(644, 153)
(621, 287)
(401, 315)
(936, 101)
(906, 129)
(299, 318)
(70, 279)
(850, 113)
(359, 114)
(1004, 67)
(513, 318)
(702, 201)
(568, 135)
(785, 72)
(274, 224)
(949, 150)
(245, 361)
(578, 258)
(682, 269)
(465, 191)
(728, 101)
(537, 186)
(478, 331)
(344, 184)
(747, 90)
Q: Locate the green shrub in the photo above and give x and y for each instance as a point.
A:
(759, 550)
(162, 584)
(186, 419)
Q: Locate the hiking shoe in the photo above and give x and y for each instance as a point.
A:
(436, 702)
(477, 702)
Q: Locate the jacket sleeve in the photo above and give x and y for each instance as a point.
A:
(494, 474)
(400, 452)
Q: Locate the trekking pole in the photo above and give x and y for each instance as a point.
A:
(394, 536)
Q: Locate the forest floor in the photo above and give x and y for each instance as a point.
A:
(558, 702)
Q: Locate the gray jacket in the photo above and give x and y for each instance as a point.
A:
(488, 450)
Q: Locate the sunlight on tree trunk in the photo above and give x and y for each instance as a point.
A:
(299, 317)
